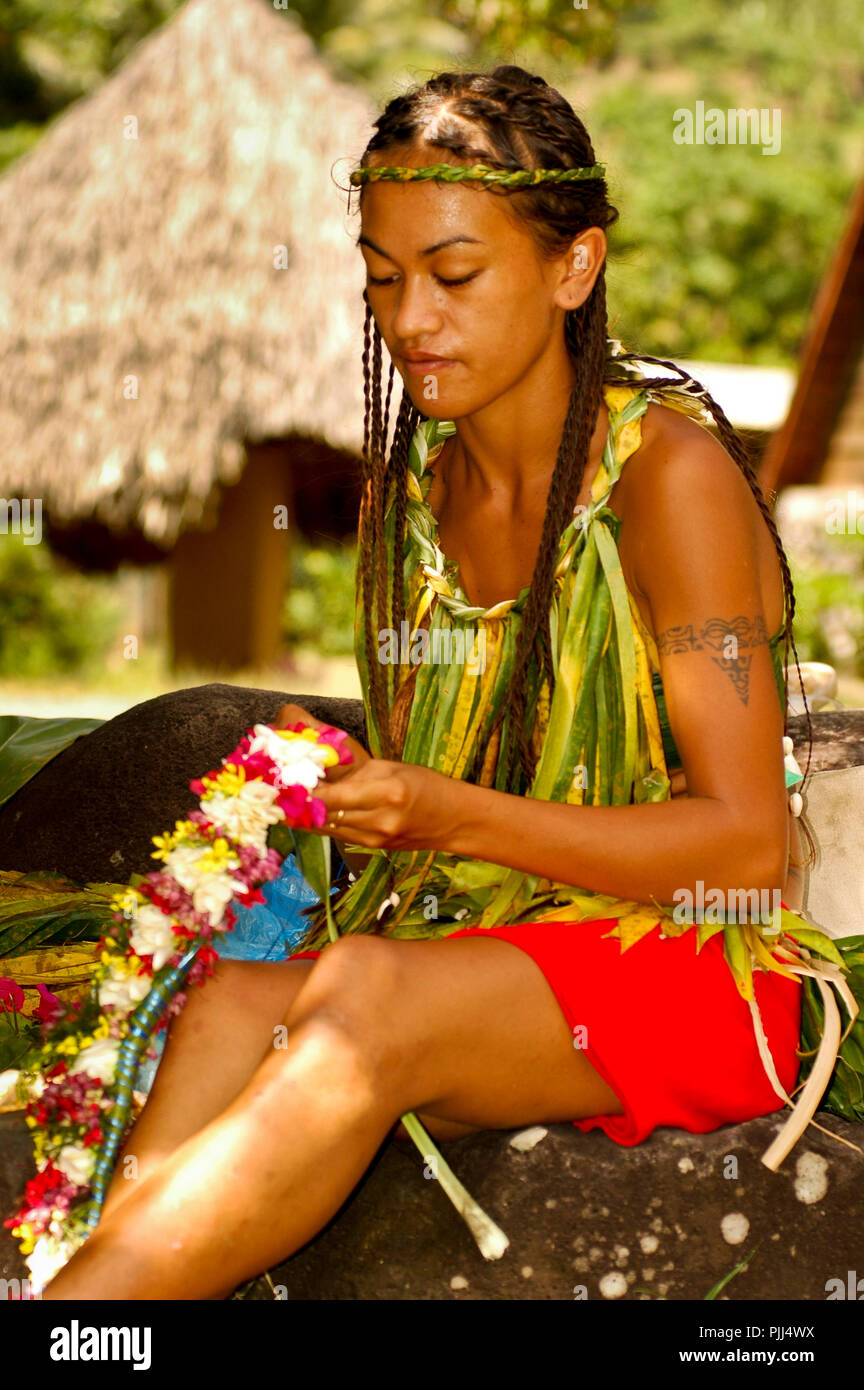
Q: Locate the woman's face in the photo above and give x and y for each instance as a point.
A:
(451, 274)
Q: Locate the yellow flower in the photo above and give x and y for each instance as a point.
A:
(102, 1029)
(68, 1047)
(183, 830)
(127, 901)
(229, 781)
(218, 858)
(164, 845)
(25, 1234)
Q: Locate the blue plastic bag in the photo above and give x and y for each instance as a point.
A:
(266, 931)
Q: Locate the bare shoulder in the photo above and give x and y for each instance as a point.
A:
(677, 452)
(681, 482)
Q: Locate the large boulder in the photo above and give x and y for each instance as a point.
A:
(93, 810)
(586, 1219)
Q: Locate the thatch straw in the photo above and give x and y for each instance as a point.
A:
(152, 258)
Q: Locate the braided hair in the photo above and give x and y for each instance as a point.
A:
(512, 119)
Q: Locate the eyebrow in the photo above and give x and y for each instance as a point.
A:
(429, 251)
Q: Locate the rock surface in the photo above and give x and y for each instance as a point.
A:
(92, 811)
(585, 1219)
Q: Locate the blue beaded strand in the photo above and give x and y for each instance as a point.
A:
(141, 1025)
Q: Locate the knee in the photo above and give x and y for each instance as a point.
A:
(360, 974)
(348, 998)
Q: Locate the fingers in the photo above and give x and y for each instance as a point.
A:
(372, 803)
(295, 714)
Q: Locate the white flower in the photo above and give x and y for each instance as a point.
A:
(124, 991)
(76, 1163)
(98, 1059)
(182, 863)
(211, 891)
(8, 1083)
(247, 815)
(152, 935)
(301, 762)
(47, 1258)
(212, 895)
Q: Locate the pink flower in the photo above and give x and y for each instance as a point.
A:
(11, 997)
(337, 738)
(49, 1005)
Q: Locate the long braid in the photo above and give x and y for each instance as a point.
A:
(589, 331)
(407, 421)
(371, 529)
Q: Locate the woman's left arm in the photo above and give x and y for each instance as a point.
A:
(697, 568)
(696, 564)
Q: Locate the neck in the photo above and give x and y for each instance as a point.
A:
(509, 448)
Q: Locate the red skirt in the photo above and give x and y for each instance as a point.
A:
(666, 1029)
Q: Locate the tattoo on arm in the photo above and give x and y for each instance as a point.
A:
(729, 639)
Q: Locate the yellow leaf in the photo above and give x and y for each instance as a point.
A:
(739, 959)
(636, 924)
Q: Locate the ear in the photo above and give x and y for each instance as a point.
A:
(579, 268)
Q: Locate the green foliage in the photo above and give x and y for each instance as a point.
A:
(54, 51)
(17, 1035)
(719, 249)
(27, 743)
(52, 619)
(379, 40)
(829, 606)
(319, 601)
(44, 908)
(845, 1093)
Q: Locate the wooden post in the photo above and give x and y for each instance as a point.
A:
(227, 584)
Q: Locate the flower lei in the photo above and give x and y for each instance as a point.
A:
(78, 1084)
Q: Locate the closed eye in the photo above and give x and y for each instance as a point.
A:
(373, 280)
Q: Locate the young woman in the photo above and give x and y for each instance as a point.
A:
(490, 298)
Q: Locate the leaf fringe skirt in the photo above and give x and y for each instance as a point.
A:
(664, 1027)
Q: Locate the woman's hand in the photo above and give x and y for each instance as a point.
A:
(391, 805)
(294, 714)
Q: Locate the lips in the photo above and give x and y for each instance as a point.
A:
(427, 364)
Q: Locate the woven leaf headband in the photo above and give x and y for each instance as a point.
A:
(483, 173)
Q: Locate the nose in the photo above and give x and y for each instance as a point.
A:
(417, 314)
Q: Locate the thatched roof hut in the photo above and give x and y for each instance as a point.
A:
(178, 280)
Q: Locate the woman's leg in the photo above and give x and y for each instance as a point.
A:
(211, 1050)
(466, 1030)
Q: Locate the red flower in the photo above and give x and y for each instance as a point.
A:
(49, 1005)
(11, 997)
(44, 1181)
(337, 738)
